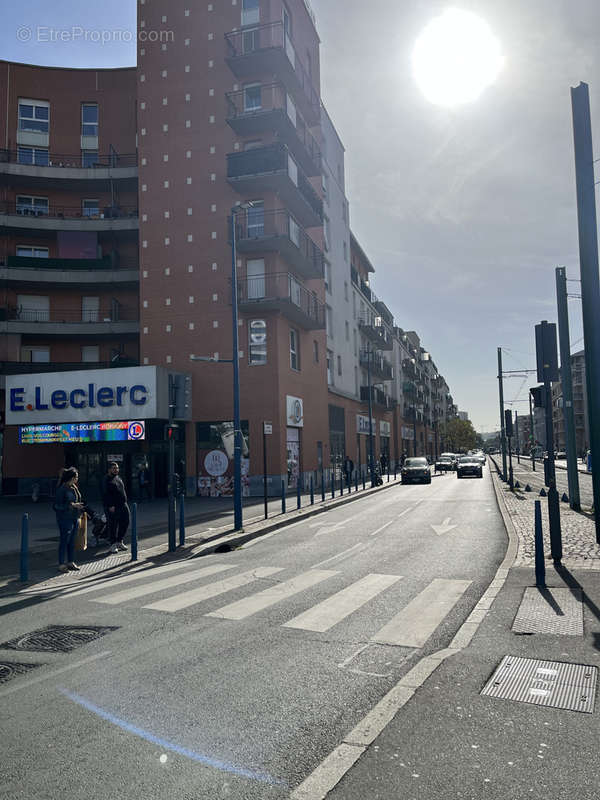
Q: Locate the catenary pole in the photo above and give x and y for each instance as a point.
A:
(501, 398)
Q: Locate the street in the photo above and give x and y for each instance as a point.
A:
(236, 674)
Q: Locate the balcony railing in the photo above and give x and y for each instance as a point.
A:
(117, 313)
(378, 397)
(36, 157)
(27, 367)
(68, 264)
(281, 291)
(270, 47)
(377, 332)
(379, 366)
(267, 108)
(258, 230)
(12, 207)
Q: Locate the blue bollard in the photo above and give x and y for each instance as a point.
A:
(356, 481)
(312, 491)
(25, 548)
(181, 520)
(298, 498)
(332, 484)
(322, 485)
(282, 497)
(134, 548)
(540, 567)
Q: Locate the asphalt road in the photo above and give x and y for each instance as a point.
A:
(250, 666)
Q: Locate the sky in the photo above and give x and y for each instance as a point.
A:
(464, 212)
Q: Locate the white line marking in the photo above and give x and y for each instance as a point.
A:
(59, 671)
(339, 555)
(186, 599)
(383, 527)
(413, 626)
(325, 615)
(350, 658)
(274, 594)
(320, 782)
(402, 513)
(158, 586)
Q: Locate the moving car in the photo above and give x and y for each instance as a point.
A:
(416, 470)
(445, 463)
(469, 465)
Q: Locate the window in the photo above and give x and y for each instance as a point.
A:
(294, 350)
(329, 320)
(25, 251)
(255, 276)
(316, 351)
(255, 219)
(32, 155)
(291, 110)
(326, 232)
(253, 144)
(34, 206)
(257, 341)
(329, 368)
(346, 297)
(90, 208)
(34, 115)
(355, 343)
(250, 12)
(89, 119)
(38, 355)
(292, 170)
(345, 250)
(89, 158)
(328, 276)
(339, 365)
(90, 354)
(347, 331)
(295, 290)
(33, 308)
(253, 97)
(90, 309)
(294, 231)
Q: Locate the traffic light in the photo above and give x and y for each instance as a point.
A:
(537, 392)
(508, 422)
(171, 432)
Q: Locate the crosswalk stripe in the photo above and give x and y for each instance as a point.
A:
(158, 586)
(186, 599)
(137, 575)
(418, 620)
(325, 615)
(274, 594)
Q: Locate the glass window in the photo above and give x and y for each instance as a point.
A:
(329, 320)
(32, 155)
(252, 97)
(294, 230)
(39, 355)
(292, 170)
(316, 351)
(294, 350)
(90, 309)
(328, 276)
(89, 158)
(90, 353)
(347, 331)
(90, 208)
(34, 115)
(329, 367)
(36, 206)
(255, 219)
(34, 308)
(257, 341)
(339, 365)
(326, 233)
(89, 119)
(250, 12)
(32, 252)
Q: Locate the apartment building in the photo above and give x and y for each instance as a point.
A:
(582, 436)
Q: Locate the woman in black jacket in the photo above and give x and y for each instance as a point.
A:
(69, 508)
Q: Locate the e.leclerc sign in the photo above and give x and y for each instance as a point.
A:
(86, 395)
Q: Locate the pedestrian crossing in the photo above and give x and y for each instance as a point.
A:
(410, 626)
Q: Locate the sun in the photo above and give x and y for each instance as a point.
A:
(455, 58)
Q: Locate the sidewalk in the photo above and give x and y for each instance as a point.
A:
(450, 741)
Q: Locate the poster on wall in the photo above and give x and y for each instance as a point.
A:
(214, 458)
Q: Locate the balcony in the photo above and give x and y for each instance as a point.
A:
(273, 168)
(118, 320)
(378, 398)
(29, 367)
(281, 292)
(259, 231)
(376, 332)
(268, 50)
(409, 389)
(23, 216)
(68, 271)
(33, 166)
(380, 368)
(266, 108)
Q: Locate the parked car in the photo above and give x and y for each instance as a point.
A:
(469, 465)
(416, 470)
(445, 463)
(561, 456)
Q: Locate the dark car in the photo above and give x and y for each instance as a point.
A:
(445, 463)
(469, 465)
(416, 470)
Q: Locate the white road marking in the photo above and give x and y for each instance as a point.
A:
(445, 527)
(157, 586)
(362, 545)
(325, 615)
(47, 675)
(402, 513)
(274, 594)
(383, 527)
(413, 626)
(186, 599)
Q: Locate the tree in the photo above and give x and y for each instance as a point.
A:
(459, 435)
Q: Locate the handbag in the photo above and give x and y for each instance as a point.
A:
(81, 533)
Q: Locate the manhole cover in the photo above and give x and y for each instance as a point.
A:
(57, 638)
(8, 670)
(544, 683)
(553, 611)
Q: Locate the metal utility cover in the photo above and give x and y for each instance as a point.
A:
(544, 683)
(57, 638)
(554, 611)
(10, 670)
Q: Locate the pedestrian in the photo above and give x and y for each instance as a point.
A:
(348, 469)
(144, 482)
(114, 498)
(69, 508)
(384, 462)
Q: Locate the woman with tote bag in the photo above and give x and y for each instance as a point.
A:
(69, 510)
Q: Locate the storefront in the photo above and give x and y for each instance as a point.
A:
(86, 419)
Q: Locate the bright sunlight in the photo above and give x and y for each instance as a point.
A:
(455, 58)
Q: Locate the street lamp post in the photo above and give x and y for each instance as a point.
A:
(237, 433)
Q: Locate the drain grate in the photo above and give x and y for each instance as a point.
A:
(10, 670)
(544, 683)
(554, 611)
(57, 638)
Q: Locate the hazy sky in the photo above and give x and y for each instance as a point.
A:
(464, 213)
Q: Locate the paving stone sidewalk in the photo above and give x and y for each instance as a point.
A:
(580, 550)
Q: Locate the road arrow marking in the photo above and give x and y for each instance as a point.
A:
(445, 527)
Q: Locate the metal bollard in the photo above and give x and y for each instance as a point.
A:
(363, 477)
(134, 542)
(388, 471)
(322, 485)
(332, 484)
(181, 520)
(356, 481)
(25, 548)
(298, 498)
(282, 497)
(540, 567)
(394, 470)
(312, 491)
(341, 484)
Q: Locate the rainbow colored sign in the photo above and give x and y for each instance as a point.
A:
(74, 432)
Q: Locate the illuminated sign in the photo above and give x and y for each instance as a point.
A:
(75, 432)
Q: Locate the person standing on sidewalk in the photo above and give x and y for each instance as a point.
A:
(69, 508)
(114, 498)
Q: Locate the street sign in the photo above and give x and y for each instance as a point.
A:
(267, 427)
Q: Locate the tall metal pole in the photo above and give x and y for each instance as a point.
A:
(590, 282)
(567, 386)
(501, 397)
(371, 461)
(531, 433)
(237, 433)
(517, 437)
(171, 489)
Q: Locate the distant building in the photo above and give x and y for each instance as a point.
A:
(582, 435)
(464, 415)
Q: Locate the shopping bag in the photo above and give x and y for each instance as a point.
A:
(81, 535)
